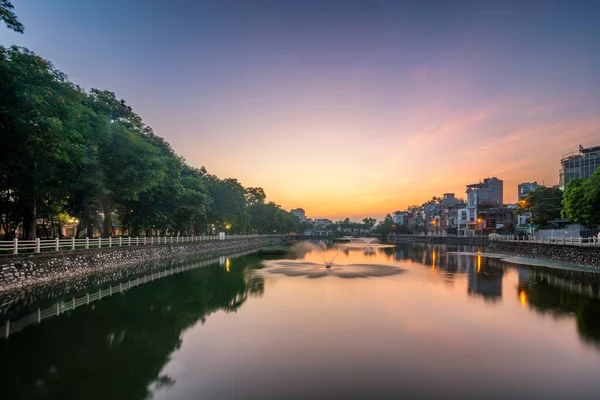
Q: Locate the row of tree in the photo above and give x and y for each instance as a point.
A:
(89, 155)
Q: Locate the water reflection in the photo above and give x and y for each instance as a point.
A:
(117, 347)
(479, 325)
(561, 293)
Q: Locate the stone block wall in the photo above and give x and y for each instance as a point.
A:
(23, 270)
(582, 256)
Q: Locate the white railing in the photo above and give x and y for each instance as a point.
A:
(592, 241)
(18, 246)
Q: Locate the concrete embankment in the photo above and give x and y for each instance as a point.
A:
(582, 256)
(24, 270)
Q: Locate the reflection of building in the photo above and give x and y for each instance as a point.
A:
(485, 281)
(399, 254)
(299, 212)
(579, 165)
(316, 232)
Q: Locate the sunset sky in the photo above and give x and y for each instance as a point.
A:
(343, 108)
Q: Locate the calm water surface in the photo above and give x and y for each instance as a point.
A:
(453, 325)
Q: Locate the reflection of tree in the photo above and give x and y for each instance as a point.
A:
(117, 348)
(546, 298)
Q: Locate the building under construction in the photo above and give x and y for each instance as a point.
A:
(581, 164)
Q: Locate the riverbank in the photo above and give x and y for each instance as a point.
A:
(580, 256)
(29, 269)
(451, 240)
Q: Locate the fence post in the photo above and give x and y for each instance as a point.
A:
(120, 241)
(152, 240)
(172, 239)
(16, 246)
(137, 241)
(56, 245)
(73, 243)
(110, 241)
(87, 242)
(144, 240)
(129, 241)
(100, 242)
(37, 245)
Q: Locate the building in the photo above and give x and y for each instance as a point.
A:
(449, 200)
(299, 212)
(525, 188)
(523, 191)
(490, 191)
(486, 194)
(581, 164)
(452, 221)
(322, 222)
(497, 219)
(398, 217)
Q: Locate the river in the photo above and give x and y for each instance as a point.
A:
(450, 324)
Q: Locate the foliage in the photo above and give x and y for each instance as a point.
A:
(581, 201)
(8, 16)
(544, 204)
(88, 154)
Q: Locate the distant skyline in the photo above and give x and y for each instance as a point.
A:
(343, 108)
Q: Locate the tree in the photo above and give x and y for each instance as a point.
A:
(386, 226)
(8, 16)
(40, 132)
(255, 195)
(89, 156)
(581, 201)
(544, 204)
(129, 162)
(229, 204)
(574, 204)
(369, 222)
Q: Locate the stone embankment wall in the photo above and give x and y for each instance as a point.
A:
(24, 270)
(582, 256)
(467, 241)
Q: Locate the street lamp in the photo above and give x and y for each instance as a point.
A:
(479, 222)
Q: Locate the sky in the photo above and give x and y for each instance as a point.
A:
(344, 108)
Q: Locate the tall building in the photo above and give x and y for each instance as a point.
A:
(525, 188)
(581, 164)
(489, 193)
(299, 212)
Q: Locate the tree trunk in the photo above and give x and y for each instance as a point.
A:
(107, 225)
(89, 229)
(45, 229)
(30, 223)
